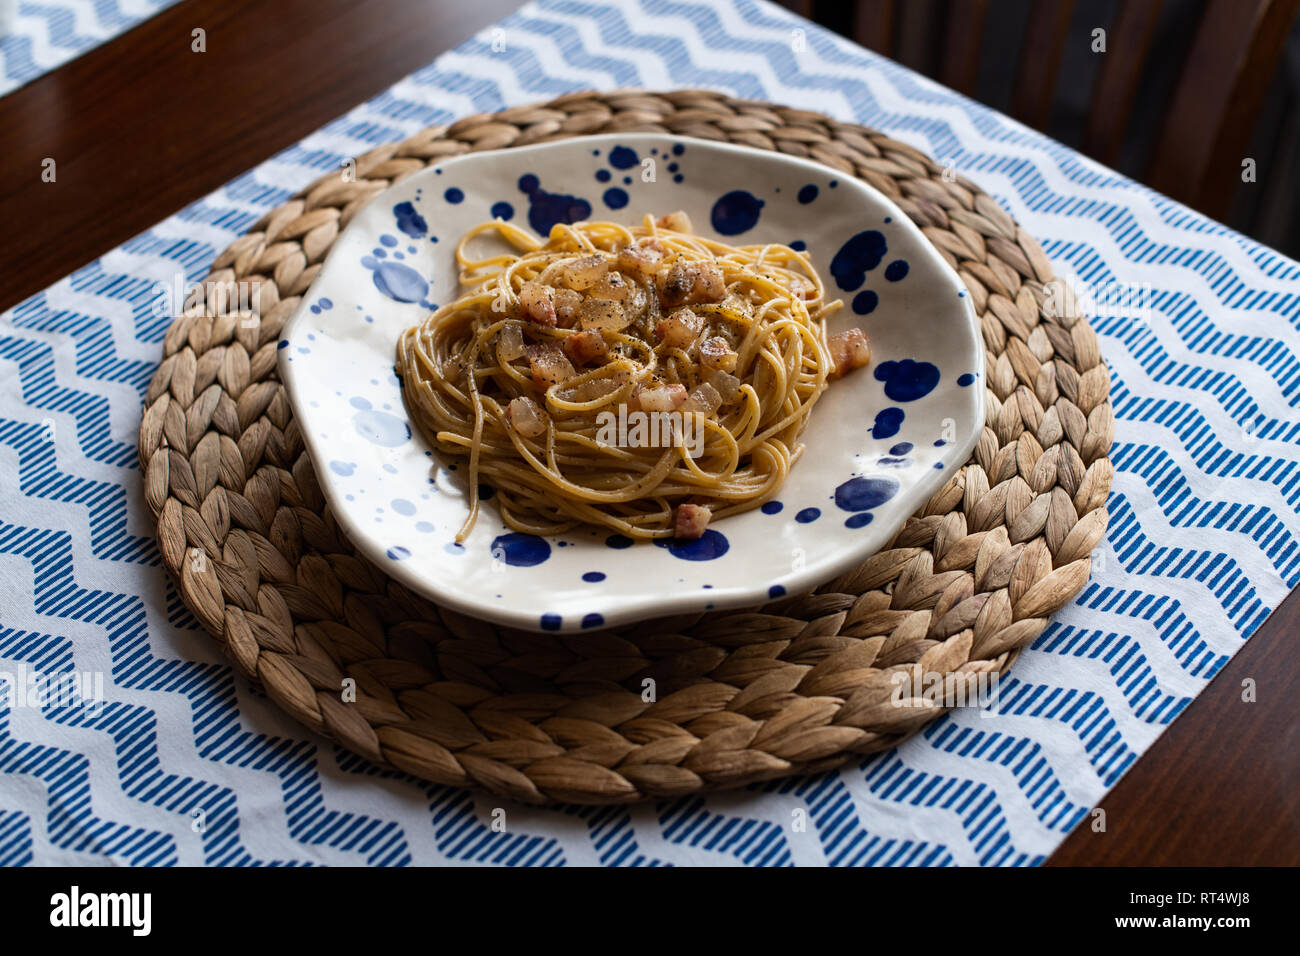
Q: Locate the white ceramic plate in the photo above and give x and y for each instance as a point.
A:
(880, 442)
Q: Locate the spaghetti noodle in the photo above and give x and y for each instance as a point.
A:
(642, 379)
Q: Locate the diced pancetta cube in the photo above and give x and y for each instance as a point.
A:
(715, 353)
(679, 329)
(538, 303)
(510, 342)
(525, 417)
(704, 399)
(661, 398)
(585, 347)
(687, 281)
(690, 521)
(582, 274)
(612, 286)
(849, 350)
(641, 259)
(726, 384)
(594, 388)
(676, 221)
(588, 391)
(548, 365)
(601, 314)
(567, 303)
(635, 306)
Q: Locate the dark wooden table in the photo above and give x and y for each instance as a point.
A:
(142, 126)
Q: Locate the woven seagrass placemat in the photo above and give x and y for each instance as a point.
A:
(799, 685)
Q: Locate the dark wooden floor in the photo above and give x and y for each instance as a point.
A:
(142, 126)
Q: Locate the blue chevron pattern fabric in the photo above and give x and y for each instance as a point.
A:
(125, 737)
(38, 35)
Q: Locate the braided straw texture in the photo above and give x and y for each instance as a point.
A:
(796, 686)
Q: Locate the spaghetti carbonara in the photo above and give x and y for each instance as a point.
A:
(642, 379)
